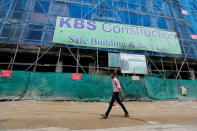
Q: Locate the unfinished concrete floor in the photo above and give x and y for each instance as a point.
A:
(68, 115)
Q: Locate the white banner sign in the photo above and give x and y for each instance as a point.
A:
(131, 63)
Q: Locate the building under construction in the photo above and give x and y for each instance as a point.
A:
(27, 29)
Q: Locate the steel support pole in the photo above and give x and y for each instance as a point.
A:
(6, 17)
(10, 63)
(77, 69)
(183, 63)
(163, 67)
(39, 58)
(155, 66)
(176, 65)
(188, 66)
(76, 59)
(36, 59)
(14, 57)
(45, 12)
(97, 63)
(93, 9)
(2, 6)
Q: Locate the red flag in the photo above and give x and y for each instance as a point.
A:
(194, 37)
(76, 76)
(6, 73)
(184, 12)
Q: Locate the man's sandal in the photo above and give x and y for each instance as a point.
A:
(127, 115)
(104, 116)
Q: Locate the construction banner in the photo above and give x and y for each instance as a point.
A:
(80, 32)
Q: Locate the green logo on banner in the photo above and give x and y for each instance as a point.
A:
(80, 32)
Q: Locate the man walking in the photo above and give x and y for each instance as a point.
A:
(115, 96)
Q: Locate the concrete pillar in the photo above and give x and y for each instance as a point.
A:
(192, 74)
(91, 66)
(59, 68)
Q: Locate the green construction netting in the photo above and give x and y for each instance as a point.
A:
(60, 86)
(14, 87)
(169, 89)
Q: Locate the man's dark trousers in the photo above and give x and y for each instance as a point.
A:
(116, 97)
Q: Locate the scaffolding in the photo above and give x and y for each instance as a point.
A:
(32, 22)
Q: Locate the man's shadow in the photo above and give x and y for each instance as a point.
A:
(131, 118)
